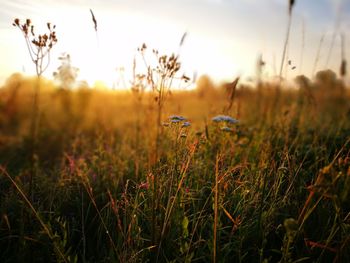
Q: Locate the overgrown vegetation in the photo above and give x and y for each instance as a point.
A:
(235, 173)
(272, 187)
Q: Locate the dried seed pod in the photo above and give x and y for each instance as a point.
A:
(16, 22)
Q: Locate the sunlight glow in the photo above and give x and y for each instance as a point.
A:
(100, 55)
(224, 37)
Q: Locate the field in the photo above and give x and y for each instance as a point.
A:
(112, 177)
(173, 168)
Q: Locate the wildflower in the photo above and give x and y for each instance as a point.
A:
(176, 119)
(186, 124)
(224, 118)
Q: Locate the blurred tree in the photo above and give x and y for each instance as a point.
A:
(328, 82)
(66, 74)
(204, 85)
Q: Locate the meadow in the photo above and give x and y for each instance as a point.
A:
(272, 187)
(232, 172)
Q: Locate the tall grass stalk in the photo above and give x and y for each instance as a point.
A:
(318, 54)
(89, 191)
(160, 79)
(216, 190)
(94, 21)
(60, 254)
(301, 60)
(334, 36)
(343, 64)
(169, 208)
(286, 41)
(306, 211)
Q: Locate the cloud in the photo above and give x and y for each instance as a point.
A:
(335, 4)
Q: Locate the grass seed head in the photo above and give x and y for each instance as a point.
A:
(291, 4)
(343, 70)
(183, 38)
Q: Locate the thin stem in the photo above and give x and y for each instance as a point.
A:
(30, 49)
(302, 45)
(318, 54)
(36, 214)
(285, 44)
(48, 61)
(184, 170)
(216, 209)
(90, 193)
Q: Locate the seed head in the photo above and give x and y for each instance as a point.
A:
(291, 4)
(343, 68)
(94, 19)
(183, 38)
(16, 22)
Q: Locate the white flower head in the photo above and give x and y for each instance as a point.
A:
(224, 118)
(176, 118)
(186, 124)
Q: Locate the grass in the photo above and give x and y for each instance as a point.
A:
(164, 176)
(274, 187)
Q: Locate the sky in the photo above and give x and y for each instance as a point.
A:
(224, 37)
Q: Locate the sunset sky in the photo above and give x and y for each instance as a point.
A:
(224, 36)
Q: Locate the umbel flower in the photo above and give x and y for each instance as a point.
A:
(224, 118)
(186, 124)
(176, 118)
